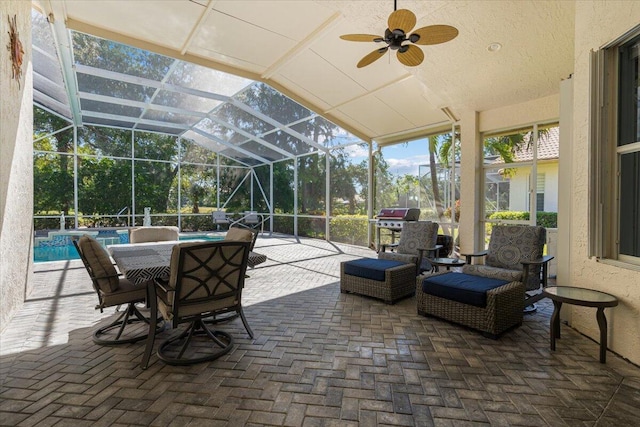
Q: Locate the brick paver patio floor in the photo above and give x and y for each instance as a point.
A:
(319, 358)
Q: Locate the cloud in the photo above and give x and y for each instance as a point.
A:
(357, 153)
(406, 166)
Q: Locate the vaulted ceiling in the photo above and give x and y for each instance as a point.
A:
(295, 47)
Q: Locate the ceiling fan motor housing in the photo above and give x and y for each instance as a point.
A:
(395, 39)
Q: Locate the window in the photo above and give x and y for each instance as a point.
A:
(521, 176)
(540, 193)
(615, 204)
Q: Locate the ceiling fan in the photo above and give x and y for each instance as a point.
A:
(400, 23)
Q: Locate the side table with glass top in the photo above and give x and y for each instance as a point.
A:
(582, 297)
(446, 262)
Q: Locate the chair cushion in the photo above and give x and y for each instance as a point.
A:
(394, 256)
(126, 293)
(493, 272)
(239, 234)
(153, 234)
(96, 256)
(511, 244)
(370, 268)
(417, 234)
(460, 287)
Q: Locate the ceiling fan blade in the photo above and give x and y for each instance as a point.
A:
(373, 56)
(360, 37)
(412, 56)
(402, 19)
(435, 34)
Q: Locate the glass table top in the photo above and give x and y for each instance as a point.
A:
(580, 295)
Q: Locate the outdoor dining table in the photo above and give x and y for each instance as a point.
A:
(140, 262)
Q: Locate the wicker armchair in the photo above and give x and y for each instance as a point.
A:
(515, 253)
(417, 244)
(501, 312)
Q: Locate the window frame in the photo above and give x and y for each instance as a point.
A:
(605, 152)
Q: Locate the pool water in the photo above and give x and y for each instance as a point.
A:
(69, 252)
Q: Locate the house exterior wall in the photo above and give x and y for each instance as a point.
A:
(597, 23)
(16, 160)
(550, 171)
(519, 187)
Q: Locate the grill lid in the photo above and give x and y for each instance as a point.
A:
(404, 214)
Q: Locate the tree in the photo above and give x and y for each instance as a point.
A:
(408, 191)
(53, 173)
(196, 192)
(504, 146)
(384, 191)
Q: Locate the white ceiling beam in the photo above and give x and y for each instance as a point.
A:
(64, 47)
(277, 124)
(139, 104)
(85, 69)
(252, 137)
(301, 46)
(231, 146)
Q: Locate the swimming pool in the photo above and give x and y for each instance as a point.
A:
(60, 248)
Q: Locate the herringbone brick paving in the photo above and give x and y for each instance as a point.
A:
(319, 358)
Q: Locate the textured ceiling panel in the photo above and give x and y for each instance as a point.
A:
(313, 74)
(377, 115)
(233, 41)
(419, 112)
(296, 46)
(166, 23)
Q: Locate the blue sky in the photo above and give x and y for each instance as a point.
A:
(402, 158)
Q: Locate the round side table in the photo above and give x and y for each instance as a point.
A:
(582, 297)
(446, 262)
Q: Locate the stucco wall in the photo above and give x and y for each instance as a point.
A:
(539, 110)
(16, 171)
(597, 23)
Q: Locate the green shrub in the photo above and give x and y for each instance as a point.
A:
(544, 219)
(351, 229)
(196, 222)
(547, 219)
(311, 227)
(283, 224)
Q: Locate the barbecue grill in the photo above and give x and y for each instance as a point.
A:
(393, 219)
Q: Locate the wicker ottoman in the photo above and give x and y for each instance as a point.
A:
(378, 278)
(502, 311)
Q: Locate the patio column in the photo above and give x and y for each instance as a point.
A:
(471, 192)
(271, 205)
(327, 196)
(295, 197)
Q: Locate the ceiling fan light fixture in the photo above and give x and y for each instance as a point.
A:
(399, 30)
